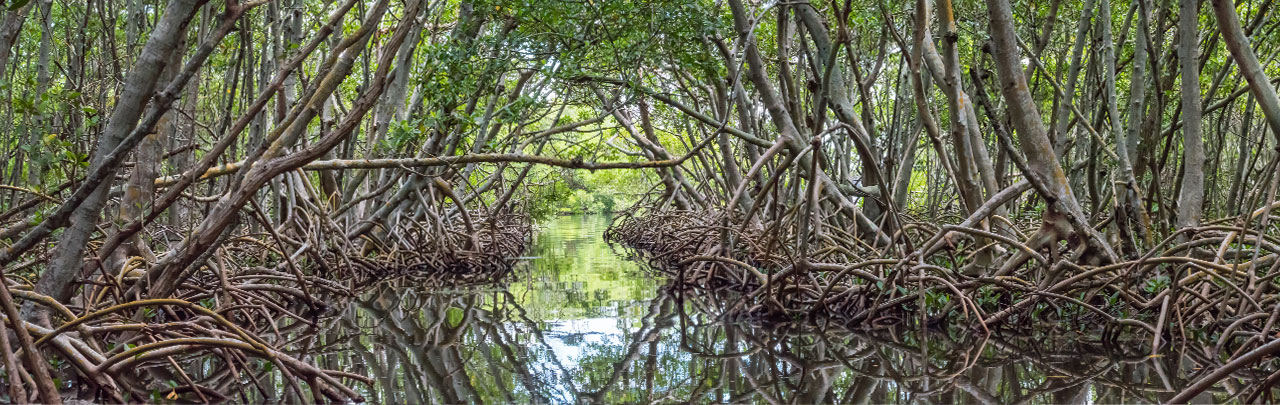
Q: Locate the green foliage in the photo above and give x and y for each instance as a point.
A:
(1156, 284)
(614, 38)
(455, 316)
(572, 192)
(16, 4)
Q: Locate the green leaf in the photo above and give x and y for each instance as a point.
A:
(454, 316)
(17, 4)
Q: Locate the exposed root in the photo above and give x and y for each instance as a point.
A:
(239, 312)
(435, 254)
(840, 278)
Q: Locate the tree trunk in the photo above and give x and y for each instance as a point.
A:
(57, 280)
(1063, 115)
(44, 125)
(1238, 45)
(1063, 215)
(1191, 199)
(1244, 149)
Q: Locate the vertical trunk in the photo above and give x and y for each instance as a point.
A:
(135, 18)
(732, 172)
(44, 121)
(1191, 200)
(181, 142)
(974, 171)
(140, 191)
(1243, 150)
(391, 108)
(329, 190)
(728, 160)
(1108, 71)
(841, 104)
(9, 31)
(290, 30)
(910, 142)
(966, 167)
(1129, 208)
(968, 141)
(1063, 114)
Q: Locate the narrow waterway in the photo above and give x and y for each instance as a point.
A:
(581, 323)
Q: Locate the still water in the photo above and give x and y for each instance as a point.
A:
(582, 323)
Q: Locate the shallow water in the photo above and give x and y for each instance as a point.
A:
(583, 323)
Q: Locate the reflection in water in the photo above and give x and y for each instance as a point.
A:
(583, 324)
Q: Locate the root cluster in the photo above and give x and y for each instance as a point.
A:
(241, 316)
(1215, 280)
(436, 254)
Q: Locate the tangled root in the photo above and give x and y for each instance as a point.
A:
(434, 254)
(1220, 281)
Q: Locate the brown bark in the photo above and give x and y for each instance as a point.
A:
(1064, 216)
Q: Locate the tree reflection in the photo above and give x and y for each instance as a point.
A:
(481, 346)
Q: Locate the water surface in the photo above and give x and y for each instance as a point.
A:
(581, 323)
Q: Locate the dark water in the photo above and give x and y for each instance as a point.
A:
(582, 323)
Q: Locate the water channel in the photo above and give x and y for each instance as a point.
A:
(583, 323)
